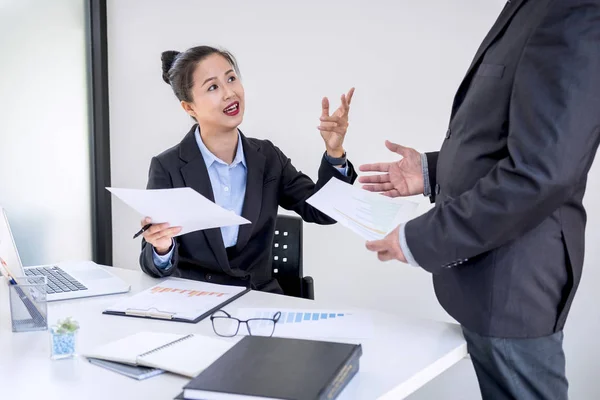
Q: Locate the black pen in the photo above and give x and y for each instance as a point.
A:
(144, 229)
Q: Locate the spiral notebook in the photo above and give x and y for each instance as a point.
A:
(185, 355)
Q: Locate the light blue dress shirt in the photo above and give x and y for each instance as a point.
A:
(228, 183)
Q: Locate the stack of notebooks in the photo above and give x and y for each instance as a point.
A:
(148, 354)
(253, 367)
(277, 368)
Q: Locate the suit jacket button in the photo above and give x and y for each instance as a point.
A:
(448, 133)
(208, 277)
(437, 188)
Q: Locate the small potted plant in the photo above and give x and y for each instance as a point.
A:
(63, 338)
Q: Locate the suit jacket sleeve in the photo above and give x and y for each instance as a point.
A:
(295, 187)
(553, 135)
(158, 178)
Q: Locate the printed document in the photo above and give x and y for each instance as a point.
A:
(176, 298)
(311, 323)
(371, 215)
(182, 207)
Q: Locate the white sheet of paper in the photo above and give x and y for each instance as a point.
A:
(182, 207)
(368, 214)
(312, 323)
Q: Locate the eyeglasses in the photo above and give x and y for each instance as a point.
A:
(227, 326)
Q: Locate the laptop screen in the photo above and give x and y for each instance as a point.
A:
(8, 250)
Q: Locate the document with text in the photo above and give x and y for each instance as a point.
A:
(321, 324)
(177, 299)
(370, 215)
(182, 207)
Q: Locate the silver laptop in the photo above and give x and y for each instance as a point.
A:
(65, 280)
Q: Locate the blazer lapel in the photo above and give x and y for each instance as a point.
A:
(196, 177)
(504, 18)
(255, 163)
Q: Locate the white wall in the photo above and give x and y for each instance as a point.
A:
(44, 128)
(405, 58)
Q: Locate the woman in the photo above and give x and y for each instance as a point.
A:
(249, 176)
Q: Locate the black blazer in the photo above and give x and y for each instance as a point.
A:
(505, 240)
(272, 182)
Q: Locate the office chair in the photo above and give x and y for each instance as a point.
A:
(287, 258)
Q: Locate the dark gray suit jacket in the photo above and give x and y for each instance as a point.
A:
(505, 240)
(272, 181)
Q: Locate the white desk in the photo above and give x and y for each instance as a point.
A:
(402, 355)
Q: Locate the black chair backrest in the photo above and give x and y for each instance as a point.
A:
(287, 254)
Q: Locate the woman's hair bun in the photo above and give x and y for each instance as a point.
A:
(168, 58)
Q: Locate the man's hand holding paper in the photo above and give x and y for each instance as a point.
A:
(405, 177)
(370, 215)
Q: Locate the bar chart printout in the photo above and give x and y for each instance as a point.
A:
(314, 324)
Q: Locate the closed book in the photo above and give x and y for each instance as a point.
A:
(260, 367)
(131, 371)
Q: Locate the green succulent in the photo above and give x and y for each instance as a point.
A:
(66, 326)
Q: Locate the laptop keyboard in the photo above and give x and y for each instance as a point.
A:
(58, 280)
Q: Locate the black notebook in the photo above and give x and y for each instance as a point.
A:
(277, 368)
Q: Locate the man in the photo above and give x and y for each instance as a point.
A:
(505, 240)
